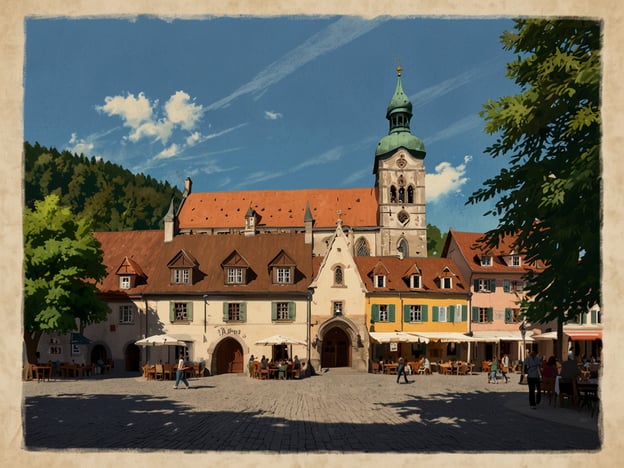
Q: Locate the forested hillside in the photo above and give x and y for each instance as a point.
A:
(113, 197)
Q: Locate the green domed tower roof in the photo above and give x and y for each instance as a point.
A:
(399, 114)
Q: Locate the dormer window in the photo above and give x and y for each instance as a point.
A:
(181, 268)
(283, 275)
(234, 275)
(515, 261)
(180, 275)
(124, 282)
(415, 282)
(486, 260)
(446, 283)
(380, 281)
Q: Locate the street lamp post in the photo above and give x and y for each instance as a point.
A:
(523, 333)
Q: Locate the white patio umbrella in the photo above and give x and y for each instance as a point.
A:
(280, 340)
(160, 340)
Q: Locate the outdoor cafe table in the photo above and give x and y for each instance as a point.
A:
(390, 368)
(588, 392)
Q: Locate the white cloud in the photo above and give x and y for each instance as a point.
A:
(182, 111)
(79, 146)
(260, 176)
(168, 152)
(132, 110)
(446, 179)
(329, 156)
(458, 127)
(337, 34)
(270, 115)
(159, 131)
(358, 175)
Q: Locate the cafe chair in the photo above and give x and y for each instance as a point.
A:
(548, 389)
(160, 372)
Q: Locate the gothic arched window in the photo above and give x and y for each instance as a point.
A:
(403, 248)
(338, 276)
(410, 194)
(393, 196)
(361, 248)
(402, 195)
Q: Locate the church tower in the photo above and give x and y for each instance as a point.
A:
(400, 181)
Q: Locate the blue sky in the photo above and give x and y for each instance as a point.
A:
(240, 103)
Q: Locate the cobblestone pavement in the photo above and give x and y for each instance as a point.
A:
(338, 411)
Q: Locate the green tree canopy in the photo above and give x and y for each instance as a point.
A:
(62, 263)
(435, 241)
(549, 194)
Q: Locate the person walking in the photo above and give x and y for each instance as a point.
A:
(505, 367)
(180, 373)
(494, 370)
(532, 368)
(401, 370)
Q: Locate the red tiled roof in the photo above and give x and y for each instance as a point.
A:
(152, 254)
(472, 250)
(280, 208)
(399, 269)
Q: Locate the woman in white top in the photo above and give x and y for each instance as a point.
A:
(180, 373)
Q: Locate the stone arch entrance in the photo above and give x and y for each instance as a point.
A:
(132, 358)
(228, 357)
(98, 352)
(336, 350)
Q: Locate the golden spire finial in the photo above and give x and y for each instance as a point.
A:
(399, 70)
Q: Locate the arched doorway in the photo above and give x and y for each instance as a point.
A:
(336, 350)
(98, 352)
(133, 358)
(228, 357)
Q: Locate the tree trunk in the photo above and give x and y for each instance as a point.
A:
(31, 339)
(559, 350)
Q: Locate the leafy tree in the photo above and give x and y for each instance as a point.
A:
(549, 194)
(435, 241)
(62, 263)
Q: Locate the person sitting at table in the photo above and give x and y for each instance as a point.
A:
(569, 369)
(549, 368)
(296, 363)
(264, 363)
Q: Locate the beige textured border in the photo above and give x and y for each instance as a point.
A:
(11, 95)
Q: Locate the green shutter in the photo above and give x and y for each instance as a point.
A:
(391, 313)
(464, 313)
(292, 311)
(593, 316)
(375, 312)
(171, 312)
(506, 286)
(435, 314)
(225, 311)
(406, 313)
(475, 314)
(189, 311)
(490, 314)
(492, 287)
(243, 312)
(424, 309)
(508, 315)
(273, 311)
(583, 318)
(451, 317)
(476, 285)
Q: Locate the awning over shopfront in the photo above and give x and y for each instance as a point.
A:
(494, 336)
(79, 339)
(397, 337)
(584, 334)
(447, 337)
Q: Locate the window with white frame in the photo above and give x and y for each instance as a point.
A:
(415, 282)
(234, 311)
(126, 313)
(180, 311)
(517, 286)
(180, 275)
(446, 283)
(124, 282)
(486, 260)
(234, 275)
(485, 285)
(383, 313)
(283, 275)
(337, 307)
(380, 281)
(282, 311)
(515, 261)
(442, 314)
(415, 313)
(483, 315)
(458, 313)
(338, 276)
